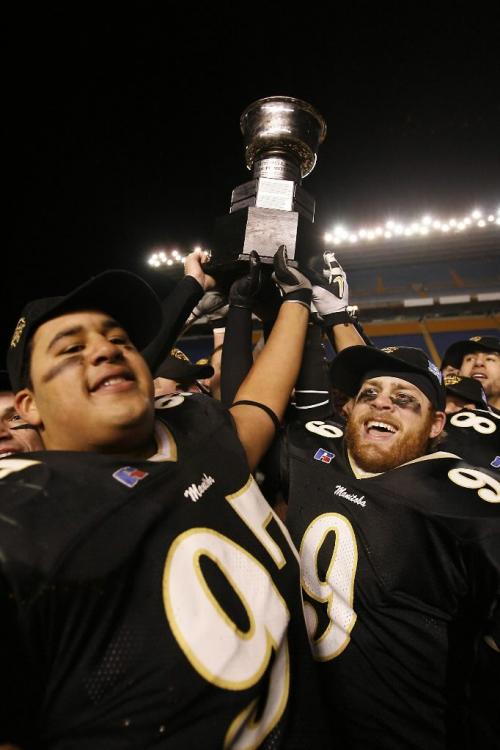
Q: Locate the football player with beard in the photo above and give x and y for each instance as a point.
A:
(400, 557)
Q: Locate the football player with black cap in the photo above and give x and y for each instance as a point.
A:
(400, 555)
(472, 427)
(479, 358)
(178, 373)
(463, 393)
(149, 596)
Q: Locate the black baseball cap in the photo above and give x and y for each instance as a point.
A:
(353, 365)
(469, 389)
(121, 294)
(5, 381)
(177, 366)
(457, 351)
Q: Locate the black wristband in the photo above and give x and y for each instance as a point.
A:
(304, 296)
(338, 318)
(242, 303)
(268, 411)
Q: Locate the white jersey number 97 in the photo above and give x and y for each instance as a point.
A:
(215, 646)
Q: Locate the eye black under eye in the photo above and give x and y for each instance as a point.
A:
(404, 399)
(368, 394)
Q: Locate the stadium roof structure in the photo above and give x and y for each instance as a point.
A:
(441, 274)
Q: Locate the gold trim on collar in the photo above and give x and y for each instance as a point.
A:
(360, 473)
(165, 443)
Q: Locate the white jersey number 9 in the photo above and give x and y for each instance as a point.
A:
(214, 645)
(487, 487)
(335, 588)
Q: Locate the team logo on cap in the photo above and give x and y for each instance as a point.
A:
(179, 354)
(389, 349)
(129, 476)
(18, 332)
(475, 338)
(435, 371)
(325, 457)
(452, 380)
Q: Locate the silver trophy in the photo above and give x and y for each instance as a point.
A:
(282, 136)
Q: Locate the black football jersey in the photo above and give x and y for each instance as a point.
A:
(474, 434)
(399, 572)
(151, 604)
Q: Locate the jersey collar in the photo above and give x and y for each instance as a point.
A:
(360, 473)
(166, 448)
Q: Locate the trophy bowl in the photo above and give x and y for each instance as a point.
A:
(286, 130)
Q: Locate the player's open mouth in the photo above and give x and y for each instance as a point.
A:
(379, 430)
(114, 383)
(478, 376)
(9, 450)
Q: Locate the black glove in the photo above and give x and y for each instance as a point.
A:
(293, 285)
(244, 290)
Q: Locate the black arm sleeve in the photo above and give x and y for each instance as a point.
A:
(236, 353)
(176, 308)
(312, 390)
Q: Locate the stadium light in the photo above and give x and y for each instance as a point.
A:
(426, 226)
(168, 259)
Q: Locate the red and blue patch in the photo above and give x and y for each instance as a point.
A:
(129, 476)
(324, 456)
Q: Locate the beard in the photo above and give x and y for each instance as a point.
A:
(374, 457)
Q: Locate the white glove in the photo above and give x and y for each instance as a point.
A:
(331, 296)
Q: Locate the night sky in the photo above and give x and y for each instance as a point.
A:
(123, 126)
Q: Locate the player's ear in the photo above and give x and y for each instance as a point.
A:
(26, 407)
(438, 423)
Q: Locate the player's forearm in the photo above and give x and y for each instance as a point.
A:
(273, 375)
(345, 336)
(270, 381)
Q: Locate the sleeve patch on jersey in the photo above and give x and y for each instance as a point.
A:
(129, 476)
(496, 462)
(324, 456)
